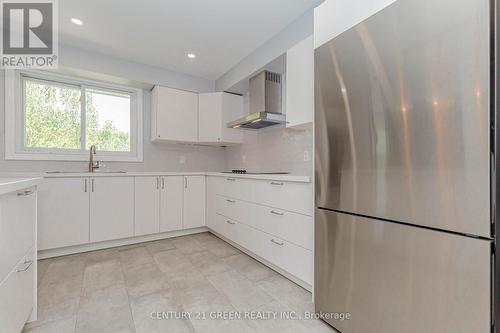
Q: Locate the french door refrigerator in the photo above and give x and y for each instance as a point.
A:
(406, 152)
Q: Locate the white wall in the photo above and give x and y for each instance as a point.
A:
(270, 50)
(333, 17)
(103, 64)
(157, 157)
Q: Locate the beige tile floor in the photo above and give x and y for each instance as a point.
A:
(116, 290)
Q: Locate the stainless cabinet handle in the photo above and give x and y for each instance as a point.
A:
(230, 179)
(157, 183)
(185, 182)
(277, 213)
(230, 222)
(25, 193)
(85, 185)
(92, 183)
(277, 183)
(28, 264)
(162, 183)
(231, 201)
(276, 242)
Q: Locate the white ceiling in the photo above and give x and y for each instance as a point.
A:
(162, 32)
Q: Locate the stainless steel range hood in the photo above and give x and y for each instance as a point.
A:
(265, 103)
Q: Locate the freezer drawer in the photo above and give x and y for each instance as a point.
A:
(395, 278)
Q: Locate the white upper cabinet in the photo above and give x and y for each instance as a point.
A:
(300, 84)
(194, 201)
(174, 115)
(215, 111)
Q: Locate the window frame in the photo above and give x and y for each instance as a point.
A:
(15, 130)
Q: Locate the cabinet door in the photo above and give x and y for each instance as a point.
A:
(111, 208)
(17, 227)
(209, 115)
(63, 212)
(147, 205)
(194, 201)
(300, 84)
(176, 115)
(171, 198)
(232, 108)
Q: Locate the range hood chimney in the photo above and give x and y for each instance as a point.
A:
(265, 103)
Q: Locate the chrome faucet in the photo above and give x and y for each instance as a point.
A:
(93, 164)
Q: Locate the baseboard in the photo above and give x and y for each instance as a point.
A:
(50, 253)
(289, 276)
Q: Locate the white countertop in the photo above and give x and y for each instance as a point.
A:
(282, 177)
(278, 177)
(8, 185)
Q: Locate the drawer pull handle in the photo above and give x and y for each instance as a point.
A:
(25, 193)
(230, 222)
(231, 201)
(277, 183)
(28, 264)
(230, 179)
(276, 242)
(277, 213)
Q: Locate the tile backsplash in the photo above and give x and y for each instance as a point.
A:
(273, 150)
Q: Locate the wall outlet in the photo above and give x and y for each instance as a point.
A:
(306, 156)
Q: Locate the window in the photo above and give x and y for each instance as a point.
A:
(59, 118)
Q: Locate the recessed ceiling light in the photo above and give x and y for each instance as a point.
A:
(76, 21)
(191, 55)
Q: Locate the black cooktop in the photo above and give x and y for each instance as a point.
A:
(243, 171)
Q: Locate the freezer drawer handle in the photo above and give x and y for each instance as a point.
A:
(231, 201)
(277, 183)
(230, 222)
(27, 264)
(276, 242)
(24, 193)
(277, 213)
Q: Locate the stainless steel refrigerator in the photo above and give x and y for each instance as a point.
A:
(405, 144)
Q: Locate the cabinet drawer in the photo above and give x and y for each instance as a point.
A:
(287, 256)
(17, 227)
(233, 208)
(292, 196)
(226, 227)
(235, 187)
(17, 295)
(292, 227)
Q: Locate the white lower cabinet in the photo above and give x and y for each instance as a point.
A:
(18, 215)
(17, 227)
(194, 201)
(285, 255)
(63, 212)
(111, 208)
(171, 203)
(147, 205)
(80, 210)
(261, 216)
(17, 294)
